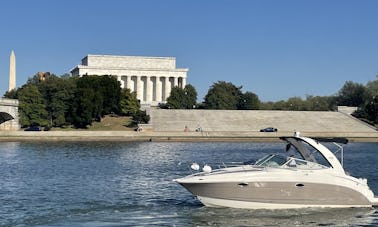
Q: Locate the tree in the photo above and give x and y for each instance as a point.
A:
(84, 107)
(12, 94)
(371, 110)
(372, 87)
(175, 99)
(352, 94)
(129, 103)
(31, 106)
(223, 95)
(295, 104)
(318, 103)
(58, 94)
(110, 89)
(140, 117)
(190, 98)
(182, 98)
(371, 104)
(249, 101)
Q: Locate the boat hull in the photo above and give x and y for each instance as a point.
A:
(213, 202)
(276, 195)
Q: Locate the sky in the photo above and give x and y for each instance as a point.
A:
(275, 49)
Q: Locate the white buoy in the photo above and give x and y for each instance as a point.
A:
(206, 168)
(195, 166)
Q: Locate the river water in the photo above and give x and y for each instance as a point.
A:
(130, 184)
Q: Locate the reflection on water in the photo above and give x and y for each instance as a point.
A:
(118, 184)
(303, 217)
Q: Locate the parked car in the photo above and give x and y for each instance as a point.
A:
(269, 129)
(33, 128)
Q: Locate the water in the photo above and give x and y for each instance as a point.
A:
(130, 184)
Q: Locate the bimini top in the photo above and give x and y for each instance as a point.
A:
(308, 148)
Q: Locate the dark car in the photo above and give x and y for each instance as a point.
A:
(270, 129)
(33, 128)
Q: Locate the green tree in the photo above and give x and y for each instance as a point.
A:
(140, 117)
(175, 99)
(89, 86)
(352, 94)
(58, 94)
(110, 89)
(84, 107)
(12, 94)
(372, 87)
(190, 98)
(223, 95)
(249, 101)
(371, 104)
(129, 103)
(31, 106)
(280, 105)
(185, 98)
(317, 103)
(296, 104)
(371, 110)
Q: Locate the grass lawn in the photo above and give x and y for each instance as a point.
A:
(108, 123)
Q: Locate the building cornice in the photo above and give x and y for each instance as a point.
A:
(131, 69)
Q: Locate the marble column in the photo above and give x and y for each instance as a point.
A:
(129, 82)
(158, 90)
(121, 80)
(175, 81)
(167, 89)
(148, 89)
(183, 82)
(139, 88)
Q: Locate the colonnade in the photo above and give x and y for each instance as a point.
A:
(151, 89)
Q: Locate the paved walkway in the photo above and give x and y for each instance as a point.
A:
(171, 136)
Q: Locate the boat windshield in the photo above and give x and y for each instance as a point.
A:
(278, 160)
(272, 160)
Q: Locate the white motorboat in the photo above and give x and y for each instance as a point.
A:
(312, 177)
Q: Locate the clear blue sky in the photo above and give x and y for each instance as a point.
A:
(276, 49)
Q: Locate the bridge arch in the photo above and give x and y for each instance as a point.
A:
(9, 120)
(5, 117)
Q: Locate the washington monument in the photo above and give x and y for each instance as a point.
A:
(12, 71)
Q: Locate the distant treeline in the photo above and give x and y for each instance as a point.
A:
(50, 100)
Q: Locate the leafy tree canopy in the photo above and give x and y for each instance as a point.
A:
(129, 103)
(223, 95)
(32, 109)
(249, 101)
(372, 87)
(182, 98)
(352, 94)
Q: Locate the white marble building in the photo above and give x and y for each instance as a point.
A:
(151, 77)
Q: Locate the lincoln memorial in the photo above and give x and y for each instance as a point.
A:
(152, 78)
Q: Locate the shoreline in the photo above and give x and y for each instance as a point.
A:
(148, 136)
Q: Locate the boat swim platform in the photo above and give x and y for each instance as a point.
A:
(163, 120)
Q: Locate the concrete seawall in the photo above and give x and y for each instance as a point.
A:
(172, 136)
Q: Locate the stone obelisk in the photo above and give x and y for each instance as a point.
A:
(12, 71)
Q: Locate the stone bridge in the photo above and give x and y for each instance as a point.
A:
(9, 120)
